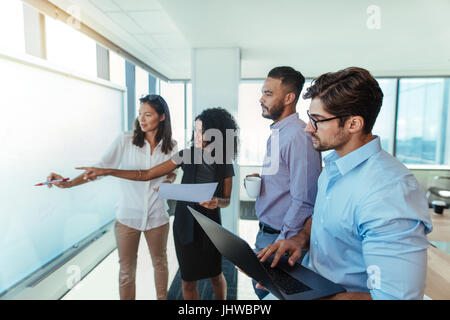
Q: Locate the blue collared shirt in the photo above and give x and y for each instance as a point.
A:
(289, 178)
(369, 225)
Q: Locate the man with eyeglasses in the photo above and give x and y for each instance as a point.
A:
(368, 230)
(291, 165)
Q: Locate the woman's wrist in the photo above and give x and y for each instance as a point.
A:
(223, 202)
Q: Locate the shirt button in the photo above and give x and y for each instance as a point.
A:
(321, 220)
(328, 198)
(315, 243)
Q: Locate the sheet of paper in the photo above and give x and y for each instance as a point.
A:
(196, 192)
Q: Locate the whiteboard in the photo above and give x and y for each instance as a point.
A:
(51, 120)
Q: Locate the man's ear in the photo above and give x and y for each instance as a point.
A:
(289, 98)
(355, 124)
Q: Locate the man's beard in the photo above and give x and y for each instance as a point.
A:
(337, 142)
(274, 113)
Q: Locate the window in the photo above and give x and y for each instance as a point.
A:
(12, 34)
(141, 86)
(70, 48)
(117, 69)
(385, 123)
(423, 121)
(173, 93)
(254, 129)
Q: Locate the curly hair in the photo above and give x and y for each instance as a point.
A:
(220, 119)
(349, 92)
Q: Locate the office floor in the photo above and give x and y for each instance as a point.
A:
(102, 282)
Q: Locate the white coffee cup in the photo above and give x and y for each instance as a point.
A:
(253, 186)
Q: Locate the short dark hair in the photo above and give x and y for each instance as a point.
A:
(165, 128)
(349, 92)
(290, 78)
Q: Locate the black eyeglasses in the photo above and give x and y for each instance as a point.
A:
(314, 121)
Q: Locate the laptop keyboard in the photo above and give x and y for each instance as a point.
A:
(284, 281)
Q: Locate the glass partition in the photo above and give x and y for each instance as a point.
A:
(422, 121)
(51, 122)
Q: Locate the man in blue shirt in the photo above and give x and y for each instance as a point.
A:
(291, 165)
(368, 230)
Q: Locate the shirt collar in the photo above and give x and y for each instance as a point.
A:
(354, 158)
(157, 145)
(283, 123)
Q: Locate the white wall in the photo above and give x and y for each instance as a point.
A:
(215, 83)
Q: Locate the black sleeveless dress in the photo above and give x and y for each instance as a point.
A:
(197, 256)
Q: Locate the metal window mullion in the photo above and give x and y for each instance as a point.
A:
(445, 120)
(130, 76)
(394, 147)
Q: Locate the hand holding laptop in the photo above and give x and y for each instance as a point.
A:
(292, 247)
(284, 281)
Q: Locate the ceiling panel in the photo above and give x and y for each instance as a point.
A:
(170, 41)
(153, 21)
(125, 22)
(138, 5)
(147, 40)
(105, 5)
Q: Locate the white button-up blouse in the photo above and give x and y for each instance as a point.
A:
(138, 206)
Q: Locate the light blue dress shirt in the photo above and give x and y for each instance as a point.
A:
(369, 225)
(288, 192)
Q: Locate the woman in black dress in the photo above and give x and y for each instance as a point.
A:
(209, 159)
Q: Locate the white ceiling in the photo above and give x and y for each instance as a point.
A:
(312, 36)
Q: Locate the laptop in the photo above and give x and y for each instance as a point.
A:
(284, 281)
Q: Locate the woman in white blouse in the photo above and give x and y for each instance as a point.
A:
(139, 209)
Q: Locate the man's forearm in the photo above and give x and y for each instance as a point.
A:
(302, 238)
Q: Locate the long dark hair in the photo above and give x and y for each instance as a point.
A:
(164, 129)
(220, 119)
